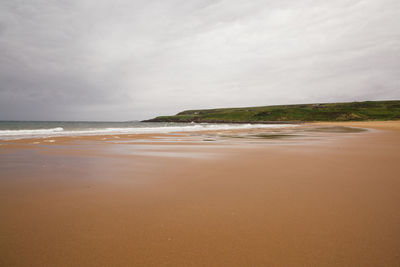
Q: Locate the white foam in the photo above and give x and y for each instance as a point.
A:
(54, 132)
(30, 132)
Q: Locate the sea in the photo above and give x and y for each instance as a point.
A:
(10, 130)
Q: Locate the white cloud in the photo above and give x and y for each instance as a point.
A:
(122, 60)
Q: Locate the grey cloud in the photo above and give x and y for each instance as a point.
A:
(123, 60)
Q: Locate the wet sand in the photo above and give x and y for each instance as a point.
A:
(313, 196)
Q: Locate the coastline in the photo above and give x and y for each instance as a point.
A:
(377, 125)
(344, 111)
(322, 198)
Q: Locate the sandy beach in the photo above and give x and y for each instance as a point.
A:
(314, 195)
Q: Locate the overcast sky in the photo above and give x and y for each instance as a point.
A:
(133, 59)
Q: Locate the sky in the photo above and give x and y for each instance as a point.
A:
(124, 60)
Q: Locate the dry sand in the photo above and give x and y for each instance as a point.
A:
(175, 200)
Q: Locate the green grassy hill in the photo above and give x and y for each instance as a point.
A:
(354, 111)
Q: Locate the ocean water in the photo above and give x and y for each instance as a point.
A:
(40, 129)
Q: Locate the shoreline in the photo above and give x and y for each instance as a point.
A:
(384, 125)
(133, 130)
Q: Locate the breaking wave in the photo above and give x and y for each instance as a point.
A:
(140, 129)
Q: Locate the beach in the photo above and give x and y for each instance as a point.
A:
(318, 194)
